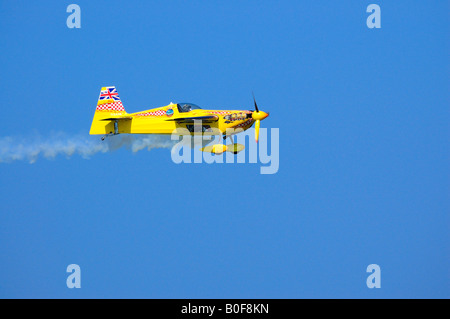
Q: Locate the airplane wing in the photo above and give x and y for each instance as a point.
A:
(206, 118)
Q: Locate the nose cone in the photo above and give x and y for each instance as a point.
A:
(259, 115)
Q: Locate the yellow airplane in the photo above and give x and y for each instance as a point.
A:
(110, 118)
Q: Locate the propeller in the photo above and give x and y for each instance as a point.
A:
(257, 116)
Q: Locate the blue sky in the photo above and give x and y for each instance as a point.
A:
(364, 150)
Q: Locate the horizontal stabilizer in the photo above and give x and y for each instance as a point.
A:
(121, 118)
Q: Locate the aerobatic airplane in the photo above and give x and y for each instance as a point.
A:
(110, 118)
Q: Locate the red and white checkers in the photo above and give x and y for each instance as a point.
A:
(220, 112)
(116, 106)
(154, 113)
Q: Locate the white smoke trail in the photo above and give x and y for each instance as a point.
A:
(31, 148)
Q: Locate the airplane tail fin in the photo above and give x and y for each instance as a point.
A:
(109, 108)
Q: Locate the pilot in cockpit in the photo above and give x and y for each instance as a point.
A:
(187, 107)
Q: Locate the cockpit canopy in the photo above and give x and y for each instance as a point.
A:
(187, 107)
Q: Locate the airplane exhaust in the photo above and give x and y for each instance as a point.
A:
(60, 144)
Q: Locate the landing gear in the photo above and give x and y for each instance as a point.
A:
(234, 147)
(116, 130)
(220, 148)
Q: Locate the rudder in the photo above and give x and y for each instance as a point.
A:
(108, 105)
